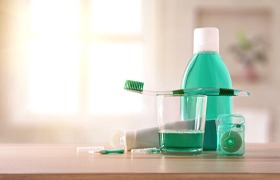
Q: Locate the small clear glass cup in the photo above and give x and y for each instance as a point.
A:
(181, 131)
(230, 135)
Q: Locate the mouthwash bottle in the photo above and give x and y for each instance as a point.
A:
(207, 69)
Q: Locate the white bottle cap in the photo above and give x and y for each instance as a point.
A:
(206, 39)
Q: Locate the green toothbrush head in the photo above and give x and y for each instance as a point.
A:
(134, 86)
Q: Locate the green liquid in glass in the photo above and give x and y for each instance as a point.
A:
(181, 142)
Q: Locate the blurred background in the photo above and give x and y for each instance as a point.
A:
(63, 64)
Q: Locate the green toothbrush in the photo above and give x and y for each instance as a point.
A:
(111, 151)
(136, 86)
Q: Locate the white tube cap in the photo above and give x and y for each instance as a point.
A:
(130, 140)
(123, 139)
(206, 39)
(117, 139)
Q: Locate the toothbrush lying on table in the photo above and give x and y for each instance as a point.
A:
(99, 149)
(136, 86)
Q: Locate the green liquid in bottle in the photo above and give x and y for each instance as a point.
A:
(207, 69)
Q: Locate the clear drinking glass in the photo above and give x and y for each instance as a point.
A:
(181, 133)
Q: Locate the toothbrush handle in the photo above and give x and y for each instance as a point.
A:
(199, 91)
(212, 92)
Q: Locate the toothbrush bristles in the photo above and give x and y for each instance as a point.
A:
(134, 85)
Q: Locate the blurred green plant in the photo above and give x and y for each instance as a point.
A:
(249, 51)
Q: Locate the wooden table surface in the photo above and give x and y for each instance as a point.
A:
(48, 161)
